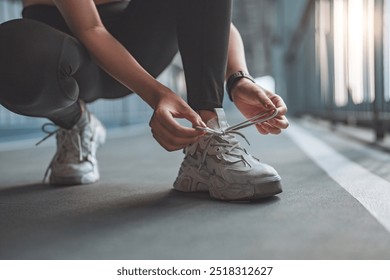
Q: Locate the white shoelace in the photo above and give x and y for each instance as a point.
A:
(252, 121)
(232, 130)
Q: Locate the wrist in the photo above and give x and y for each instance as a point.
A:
(241, 87)
(158, 93)
(236, 78)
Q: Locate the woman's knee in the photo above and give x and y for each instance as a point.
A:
(36, 67)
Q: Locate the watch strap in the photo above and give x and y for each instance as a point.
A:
(234, 78)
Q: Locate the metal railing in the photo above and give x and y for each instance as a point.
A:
(338, 71)
(10, 9)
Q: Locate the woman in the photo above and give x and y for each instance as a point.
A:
(66, 53)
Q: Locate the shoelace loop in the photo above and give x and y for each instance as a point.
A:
(251, 121)
(48, 132)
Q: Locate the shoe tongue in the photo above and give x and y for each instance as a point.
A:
(219, 122)
(213, 123)
(84, 119)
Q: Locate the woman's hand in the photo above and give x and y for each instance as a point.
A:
(251, 100)
(166, 130)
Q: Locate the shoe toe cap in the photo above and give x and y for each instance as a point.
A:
(258, 173)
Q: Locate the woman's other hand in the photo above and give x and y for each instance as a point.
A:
(251, 100)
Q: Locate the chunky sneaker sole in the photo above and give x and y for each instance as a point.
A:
(89, 178)
(190, 179)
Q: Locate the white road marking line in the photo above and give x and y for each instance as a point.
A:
(370, 190)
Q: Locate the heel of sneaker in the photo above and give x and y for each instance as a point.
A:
(84, 179)
(100, 131)
(190, 180)
(101, 134)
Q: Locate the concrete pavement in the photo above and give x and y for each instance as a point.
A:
(133, 213)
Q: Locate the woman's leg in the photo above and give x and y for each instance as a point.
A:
(203, 34)
(92, 81)
(147, 29)
(37, 63)
(45, 71)
(39, 68)
(152, 30)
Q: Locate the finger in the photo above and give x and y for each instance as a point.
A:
(264, 100)
(279, 122)
(169, 141)
(170, 145)
(167, 146)
(271, 129)
(194, 118)
(279, 103)
(274, 130)
(261, 129)
(266, 128)
(169, 123)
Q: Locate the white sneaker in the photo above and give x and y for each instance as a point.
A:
(75, 161)
(216, 163)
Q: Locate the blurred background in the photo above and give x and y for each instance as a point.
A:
(327, 58)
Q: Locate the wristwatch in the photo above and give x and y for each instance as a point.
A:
(234, 78)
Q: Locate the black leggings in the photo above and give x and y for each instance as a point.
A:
(44, 70)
